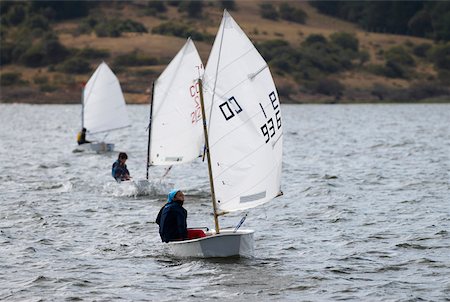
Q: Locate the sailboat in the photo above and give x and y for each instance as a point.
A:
(243, 137)
(103, 107)
(175, 127)
(175, 132)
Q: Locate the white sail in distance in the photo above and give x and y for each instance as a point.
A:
(244, 121)
(176, 126)
(104, 104)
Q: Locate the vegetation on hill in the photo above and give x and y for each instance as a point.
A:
(48, 47)
(430, 19)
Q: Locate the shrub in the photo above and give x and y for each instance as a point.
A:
(93, 53)
(394, 69)
(421, 49)
(15, 15)
(228, 5)
(363, 57)
(10, 78)
(345, 41)
(314, 58)
(75, 65)
(424, 90)
(63, 9)
(379, 90)
(144, 72)
(440, 56)
(86, 25)
(40, 79)
(180, 30)
(134, 59)
(47, 88)
(377, 69)
(107, 30)
(444, 76)
(44, 53)
(54, 52)
(193, 8)
(131, 26)
(329, 86)
(6, 53)
(268, 11)
(399, 55)
(173, 2)
(155, 7)
(315, 38)
(285, 90)
(114, 28)
(33, 57)
(37, 21)
(293, 14)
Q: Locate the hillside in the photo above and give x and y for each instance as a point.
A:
(321, 59)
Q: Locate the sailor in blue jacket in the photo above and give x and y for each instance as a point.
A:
(172, 218)
(119, 168)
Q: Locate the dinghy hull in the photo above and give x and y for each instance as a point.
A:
(225, 244)
(101, 147)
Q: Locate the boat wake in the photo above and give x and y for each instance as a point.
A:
(135, 188)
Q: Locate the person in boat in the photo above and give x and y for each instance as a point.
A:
(81, 137)
(172, 220)
(119, 168)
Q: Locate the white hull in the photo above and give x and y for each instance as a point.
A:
(98, 147)
(225, 244)
(101, 147)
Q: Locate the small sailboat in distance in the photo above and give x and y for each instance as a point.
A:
(103, 107)
(243, 136)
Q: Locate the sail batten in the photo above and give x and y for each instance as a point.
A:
(244, 121)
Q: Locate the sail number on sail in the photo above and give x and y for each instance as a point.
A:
(196, 115)
(194, 91)
(268, 129)
(230, 108)
(226, 109)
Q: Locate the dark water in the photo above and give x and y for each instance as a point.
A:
(365, 215)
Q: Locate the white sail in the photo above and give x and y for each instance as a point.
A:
(176, 127)
(104, 104)
(244, 121)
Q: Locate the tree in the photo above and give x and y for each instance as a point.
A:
(193, 8)
(293, 14)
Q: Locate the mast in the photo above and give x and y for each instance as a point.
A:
(208, 156)
(82, 106)
(150, 128)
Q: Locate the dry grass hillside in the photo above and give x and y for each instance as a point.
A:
(357, 82)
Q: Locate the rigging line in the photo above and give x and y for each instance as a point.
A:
(248, 77)
(232, 62)
(222, 202)
(110, 129)
(217, 75)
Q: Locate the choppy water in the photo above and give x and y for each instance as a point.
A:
(365, 215)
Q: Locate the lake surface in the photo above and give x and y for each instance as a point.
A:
(365, 214)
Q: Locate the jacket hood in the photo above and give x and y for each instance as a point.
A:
(171, 195)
